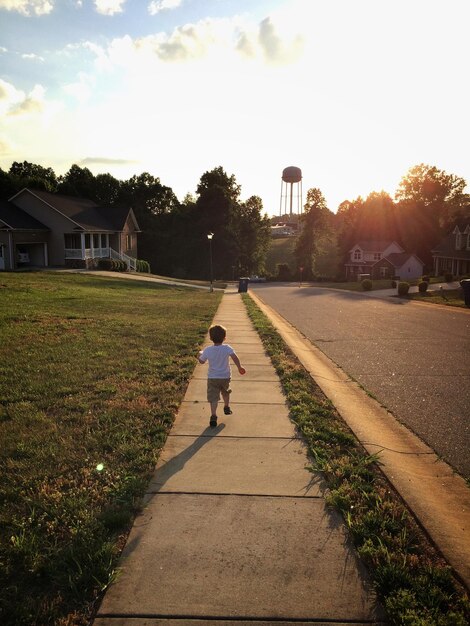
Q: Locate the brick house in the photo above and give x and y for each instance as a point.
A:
(382, 259)
(452, 255)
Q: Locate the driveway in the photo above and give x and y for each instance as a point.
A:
(414, 359)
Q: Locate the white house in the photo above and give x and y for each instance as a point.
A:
(382, 259)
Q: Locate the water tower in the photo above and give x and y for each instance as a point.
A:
(291, 190)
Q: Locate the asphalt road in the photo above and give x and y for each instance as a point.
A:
(413, 358)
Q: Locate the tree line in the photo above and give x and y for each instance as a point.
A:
(427, 203)
(174, 234)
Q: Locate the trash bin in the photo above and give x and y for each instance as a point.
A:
(243, 285)
(465, 284)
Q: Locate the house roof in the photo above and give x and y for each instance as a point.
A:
(373, 245)
(85, 214)
(446, 248)
(398, 259)
(14, 218)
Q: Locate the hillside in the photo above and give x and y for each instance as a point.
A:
(280, 251)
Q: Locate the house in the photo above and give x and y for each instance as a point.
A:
(283, 230)
(382, 259)
(452, 255)
(41, 229)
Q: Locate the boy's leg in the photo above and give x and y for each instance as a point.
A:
(213, 399)
(226, 391)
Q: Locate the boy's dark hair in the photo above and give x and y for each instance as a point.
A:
(217, 333)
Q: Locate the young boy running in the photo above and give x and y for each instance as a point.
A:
(219, 374)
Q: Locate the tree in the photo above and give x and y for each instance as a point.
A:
(429, 200)
(219, 178)
(437, 195)
(8, 188)
(153, 204)
(147, 195)
(314, 226)
(32, 175)
(78, 181)
(251, 232)
(106, 189)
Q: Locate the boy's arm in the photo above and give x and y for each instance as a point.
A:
(236, 360)
(199, 357)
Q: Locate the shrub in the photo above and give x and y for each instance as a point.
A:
(394, 284)
(425, 278)
(423, 286)
(403, 288)
(143, 266)
(366, 284)
(106, 264)
(448, 277)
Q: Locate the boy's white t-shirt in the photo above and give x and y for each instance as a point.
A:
(218, 357)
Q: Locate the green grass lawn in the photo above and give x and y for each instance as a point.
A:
(448, 297)
(92, 372)
(281, 250)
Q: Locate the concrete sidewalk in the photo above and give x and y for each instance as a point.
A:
(235, 527)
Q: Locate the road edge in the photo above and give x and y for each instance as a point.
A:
(438, 497)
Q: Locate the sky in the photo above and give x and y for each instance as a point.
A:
(353, 92)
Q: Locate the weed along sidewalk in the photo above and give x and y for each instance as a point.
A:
(235, 527)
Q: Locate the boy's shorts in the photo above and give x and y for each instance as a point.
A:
(215, 386)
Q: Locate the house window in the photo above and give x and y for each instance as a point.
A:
(128, 242)
(377, 256)
(468, 241)
(357, 255)
(384, 272)
(73, 241)
(458, 241)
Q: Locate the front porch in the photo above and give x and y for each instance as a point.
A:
(85, 250)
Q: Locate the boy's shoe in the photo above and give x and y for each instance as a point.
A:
(213, 421)
(227, 410)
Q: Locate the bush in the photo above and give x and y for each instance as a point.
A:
(118, 266)
(366, 284)
(143, 266)
(403, 288)
(423, 286)
(106, 264)
(448, 277)
(394, 284)
(425, 278)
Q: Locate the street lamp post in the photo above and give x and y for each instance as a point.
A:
(209, 236)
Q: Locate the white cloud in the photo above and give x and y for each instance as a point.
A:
(32, 56)
(15, 102)
(2, 49)
(160, 5)
(82, 89)
(109, 7)
(219, 40)
(28, 7)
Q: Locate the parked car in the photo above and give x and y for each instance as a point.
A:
(257, 279)
(22, 257)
